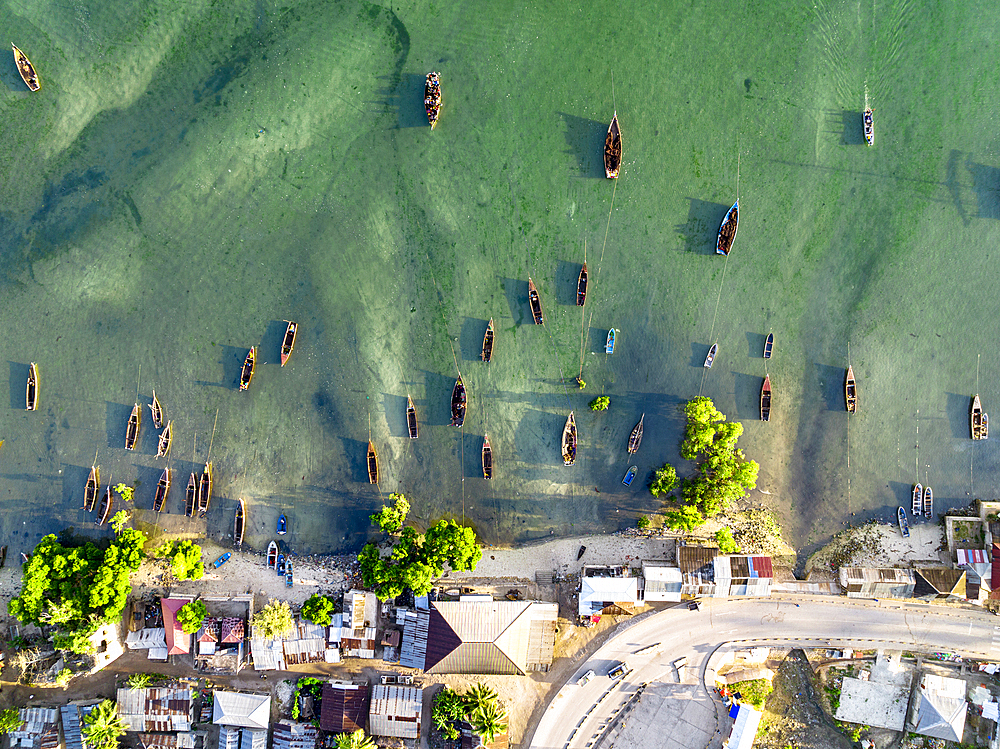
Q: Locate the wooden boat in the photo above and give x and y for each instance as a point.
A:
(288, 573)
(92, 489)
(132, 428)
(851, 391)
(157, 411)
(164, 444)
(609, 345)
(569, 441)
(458, 403)
(630, 475)
(411, 418)
(282, 524)
(535, 302)
(727, 231)
(986, 427)
(765, 399)
(25, 558)
(240, 523)
(31, 391)
(904, 525)
(928, 502)
(372, 463)
(289, 342)
(869, 127)
(917, 501)
(272, 554)
(222, 560)
(613, 149)
(488, 336)
(279, 566)
(205, 491)
(432, 98)
(487, 458)
(26, 69)
(162, 489)
(191, 498)
(104, 508)
(580, 553)
(711, 355)
(581, 287)
(976, 418)
(768, 345)
(3, 555)
(249, 364)
(635, 439)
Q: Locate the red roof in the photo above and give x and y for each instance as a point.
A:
(178, 641)
(232, 629)
(762, 566)
(995, 573)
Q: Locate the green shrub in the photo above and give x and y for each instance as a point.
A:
(643, 522)
(727, 544)
(600, 403)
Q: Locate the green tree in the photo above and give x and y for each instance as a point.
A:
(102, 727)
(185, 559)
(687, 518)
(126, 492)
(10, 720)
(600, 403)
(356, 740)
(76, 642)
(664, 481)
(120, 520)
(448, 708)
(727, 544)
(478, 696)
(191, 616)
(643, 522)
(702, 415)
(274, 620)
(391, 519)
(318, 609)
(139, 681)
(489, 721)
(446, 542)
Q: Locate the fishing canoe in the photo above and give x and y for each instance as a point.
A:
(222, 560)
(613, 149)
(289, 341)
(282, 524)
(279, 566)
(630, 475)
(162, 489)
(917, 500)
(432, 98)
(132, 428)
(92, 489)
(104, 508)
(581, 287)
(157, 412)
(240, 523)
(569, 441)
(288, 572)
(904, 525)
(635, 439)
(205, 491)
(25, 558)
(458, 403)
(26, 69)
(249, 364)
(487, 458)
(609, 345)
(31, 391)
(928, 502)
(711, 355)
(411, 418)
(768, 345)
(869, 123)
(488, 337)
(727, 231)
(765, 399)
(851, 392)
(976, 417)
(191, 497)
(272, 554)
(986, 427)
(163, 447)
(372, 463)
(3, 555)
(535, 302)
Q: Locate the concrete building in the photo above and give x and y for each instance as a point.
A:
(940, 708)
(883, 582)
(293, 735)
(880, 700)
(661, 582)
(178, 641)
(395, 711)
(607, 590)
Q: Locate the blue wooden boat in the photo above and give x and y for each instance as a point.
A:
(904, 525)
(282, 525)
(630, 475)
(609, 347)
(280, 565)
(288, 573)
(727, 231)
(222, 560)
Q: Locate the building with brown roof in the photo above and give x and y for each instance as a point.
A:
(395, 711)
(39, 730)
(883, 582)
(697, 566)
(939, 584)
(156, 709)
(344, 707)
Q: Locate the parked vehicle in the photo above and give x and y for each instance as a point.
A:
(622, 669)
(586, 677)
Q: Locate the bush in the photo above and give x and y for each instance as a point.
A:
(126, 492)
(754, 691)
(643, 522)
(191, 616)
(600, 403)
(664, 481)
(727, 544)
(318, 609)
(10, 720)
(390, 519)
(685, 519)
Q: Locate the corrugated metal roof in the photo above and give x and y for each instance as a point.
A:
(395, 711)
(71, 726)
(292, 735)
(995, 573)
(973, 556)
(40, 729)
(344, 707)
(942, 581)
(693, 558)
(414, 648)
(268, 655)
(241, 709)
(183, 740)
(155, 709)
(209, 631)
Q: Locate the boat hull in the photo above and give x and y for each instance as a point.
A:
(459, 403)
(288, 344)
(31, 390)
(569, 441)
(535, 303)
(765, 399)
(613, 149)
(768, 345)
(249, 365)
(727, 231)
(433, 98)
(132, 427)
(609, 345)
(372, 463)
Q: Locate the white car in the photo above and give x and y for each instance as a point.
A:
(586, 677)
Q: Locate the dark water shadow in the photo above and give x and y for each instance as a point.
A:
(755, 344)
(232, 359)
(747, 395)
(954, 186)
(394, 407)
(699, 352)
(325, 406)
(516, 292)
(74, 480)
(585, 142)
(356, 453)
(904, 498)
(986, 184)
(473, 451)
(11, 77)
(404, 95)
(831, 383)
(959, 409)
(702, 228)
(538, 438)
(597, 340)
(470, 340)
(437, 388)
(853, 128)
(18, 383)
(147, 477)
(116, 422)
(269, 350)
(567, 276)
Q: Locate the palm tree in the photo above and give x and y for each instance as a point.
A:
(479, 695)
(102, 727)
(356, 740)
(489, 721)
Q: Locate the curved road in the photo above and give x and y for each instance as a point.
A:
(583, 716)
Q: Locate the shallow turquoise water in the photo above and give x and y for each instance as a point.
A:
(191, 178)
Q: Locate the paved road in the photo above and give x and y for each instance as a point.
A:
(591, 715)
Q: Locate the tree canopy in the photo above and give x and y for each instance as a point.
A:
(102, 727)
(664, 481)
(480, 706)
(274, 620)
(355, 740)
(390, 519)
(184, 557)
(191, 616)
(318, 609)
(10, 720)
